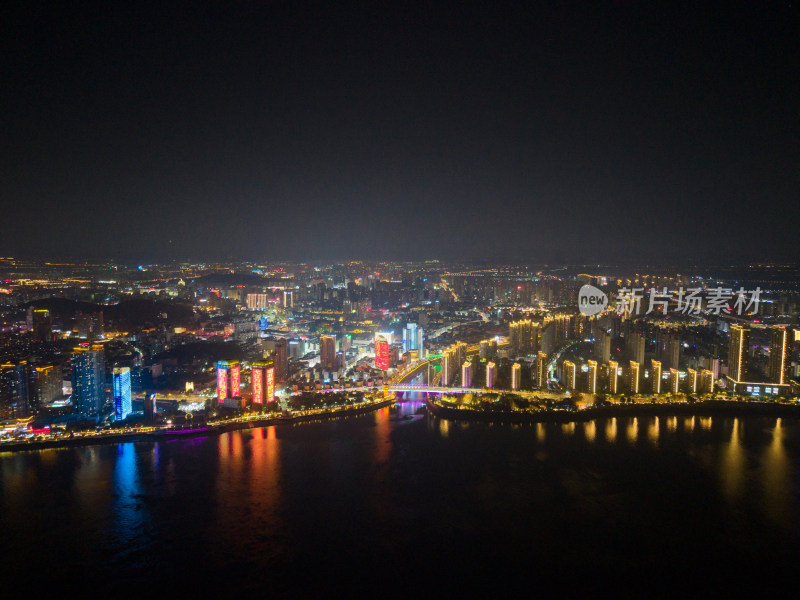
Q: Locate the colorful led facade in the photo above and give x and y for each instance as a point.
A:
(263, 375)
(121, 379)
(381, 353)
(228, 379)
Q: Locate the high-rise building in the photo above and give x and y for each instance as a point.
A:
(288, 299)
(692, 381)
(449, 362)
(491, 375)
(516, 376)
(602, 347)
(633, 377)
(45, 385)
(655, 376)
(381, 352)
(613, 377)
(466, 375)
(706, 381)
(88, 380)
(327, 352)
(281, 359)
(521, 336)
(568, 371)
(674, 381)
(737, 352)
(263, 382)
(673, 351)
(14, 391)
(412, 339)
(634, 345)
(40, 323)
(591, 377)
(257, 301)
(150, 407)
(91, 325)
(541, 370)
(228, 381)
(121, 386)
(780, 354)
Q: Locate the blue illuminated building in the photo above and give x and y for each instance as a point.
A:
(122, 392)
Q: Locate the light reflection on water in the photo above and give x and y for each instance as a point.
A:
(733, 465)
(129, 509)
(590, 431)
(653, 431)
(611, 430)
(777, 477)
(632, 430)
(257, 492)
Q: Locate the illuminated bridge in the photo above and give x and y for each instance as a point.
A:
(434, 389)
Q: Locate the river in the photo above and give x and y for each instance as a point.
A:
(399, 502)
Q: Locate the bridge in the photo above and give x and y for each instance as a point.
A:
(432, 389)
(435, 389)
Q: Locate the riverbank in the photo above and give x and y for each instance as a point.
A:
(704, 408)
(205, 430)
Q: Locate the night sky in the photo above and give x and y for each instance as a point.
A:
(392, 130)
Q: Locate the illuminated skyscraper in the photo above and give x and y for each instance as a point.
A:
(257, 301)
(674, 381)
(449, 362)
(516, 376)
(14, 391)
(613, 377)
(466, 375)
(88, 380)
(655, 376)
(288, 299)
(541, 370)
(263, 382)
(327, 352)
(228, 380)
(591, 377)
(737, 352)
(780, 354)
(46, 385)
(121, 386)
(412, 339)
(633, 377)
(568, 370)
(706, 381)
(381, 352)
(520, 334)
(491, 375)
(692, 381)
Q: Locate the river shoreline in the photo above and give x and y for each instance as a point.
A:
(704, 408)
(209, 429)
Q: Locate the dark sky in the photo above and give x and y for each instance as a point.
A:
(559, 131)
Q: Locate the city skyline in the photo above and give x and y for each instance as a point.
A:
(508, 291)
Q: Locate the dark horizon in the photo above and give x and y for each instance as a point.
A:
(551, 133)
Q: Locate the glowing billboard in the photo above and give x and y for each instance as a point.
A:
(381, 353)
(258, 386)
(222, 381)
